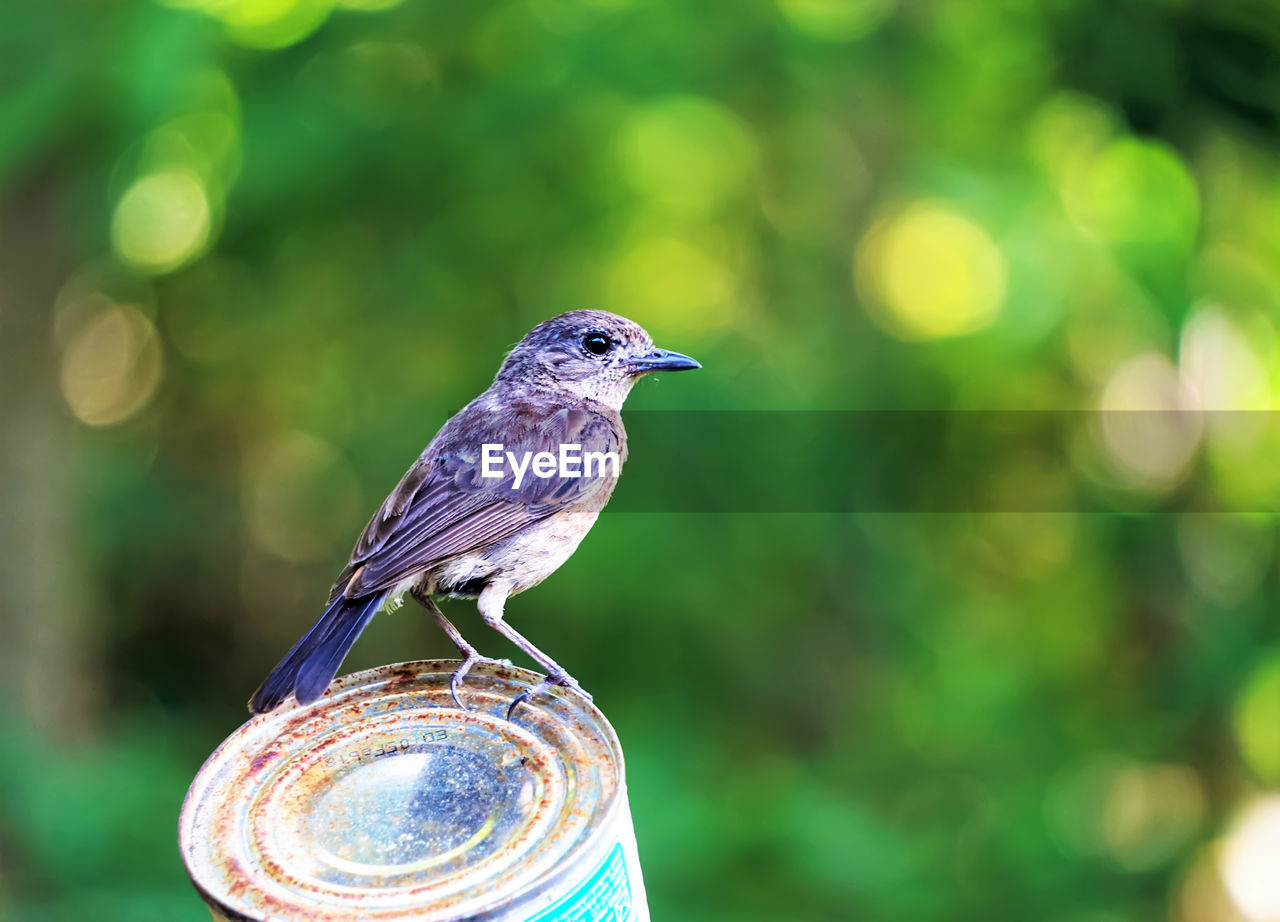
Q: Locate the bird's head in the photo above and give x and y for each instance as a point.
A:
(591, 354)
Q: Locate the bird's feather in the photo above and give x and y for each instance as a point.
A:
(310, 666)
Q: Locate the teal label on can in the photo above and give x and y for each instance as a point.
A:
(605, 896)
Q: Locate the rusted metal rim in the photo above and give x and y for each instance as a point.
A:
(384, 801)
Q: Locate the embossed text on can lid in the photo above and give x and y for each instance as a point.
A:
(385, 801)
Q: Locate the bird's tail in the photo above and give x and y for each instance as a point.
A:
(310, 666)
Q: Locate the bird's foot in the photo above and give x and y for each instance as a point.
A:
(556, 678)
(455, 681)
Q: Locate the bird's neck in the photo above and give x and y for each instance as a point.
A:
(608, 395)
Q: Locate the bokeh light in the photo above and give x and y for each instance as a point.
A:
(273, 23)
(369, 5)
(111, 365)
(1222, 364)
(674, 279)
(928, 272)
(817, 177)
(1201, 896)
(1111, 320)
(1067, 131)
(1151, 423)
(1150, 813)
(301, 499)
(204, 141)
(162, 221)
(686, 156)
(1225, 356)
(835, 20)
(1134, 192)
(1224, 368)
(1137, 815)
(1226, 556)
(1249, 859)
(1256, 717)
(269, 24)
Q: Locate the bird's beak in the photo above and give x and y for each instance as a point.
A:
(661, 360)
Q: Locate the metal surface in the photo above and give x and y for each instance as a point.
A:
(385, 801)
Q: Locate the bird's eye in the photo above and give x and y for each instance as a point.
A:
(596, 343)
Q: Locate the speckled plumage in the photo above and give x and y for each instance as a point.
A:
(447, 530)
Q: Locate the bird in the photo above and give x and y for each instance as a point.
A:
(491, 508)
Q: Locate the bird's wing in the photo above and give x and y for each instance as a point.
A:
(444, 507)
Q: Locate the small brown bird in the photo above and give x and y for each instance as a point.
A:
(498, 500)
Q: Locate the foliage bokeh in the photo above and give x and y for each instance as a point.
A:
(255, 252)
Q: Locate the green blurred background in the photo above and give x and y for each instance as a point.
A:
(254, 252)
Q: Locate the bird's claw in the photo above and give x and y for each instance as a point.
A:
(455, 680)
(562, 679)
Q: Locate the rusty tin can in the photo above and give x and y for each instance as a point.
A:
(384, 801)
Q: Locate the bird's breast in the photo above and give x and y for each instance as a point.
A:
(523, 559)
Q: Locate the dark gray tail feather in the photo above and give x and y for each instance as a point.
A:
(310, 666)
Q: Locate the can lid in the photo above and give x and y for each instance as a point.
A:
(383, 800)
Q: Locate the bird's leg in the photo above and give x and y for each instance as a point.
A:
(470, 656)
(491, 603)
